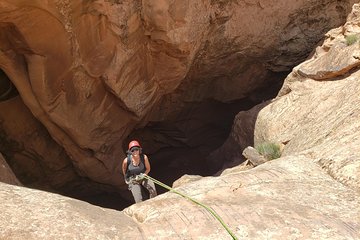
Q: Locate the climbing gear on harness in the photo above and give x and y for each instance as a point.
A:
(135, 179)
(139, 177)
(210, 210)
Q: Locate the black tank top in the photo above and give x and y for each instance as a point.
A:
(136, 170)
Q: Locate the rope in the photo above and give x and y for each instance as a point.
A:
(211, 211)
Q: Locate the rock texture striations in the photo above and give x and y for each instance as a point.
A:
(311, 192)
(327, 129)
(93, 71)
(287, 198)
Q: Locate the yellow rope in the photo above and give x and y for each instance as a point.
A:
(211, 211)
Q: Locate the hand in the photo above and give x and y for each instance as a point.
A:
(127, 180)
(139, 177)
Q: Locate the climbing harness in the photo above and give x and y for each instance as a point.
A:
(136, 179)
(211, 211)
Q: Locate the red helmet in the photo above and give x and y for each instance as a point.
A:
(134, 143)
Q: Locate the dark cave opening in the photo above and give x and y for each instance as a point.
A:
(7, 88)
(197, 136)
(175, 147)
(184, 143)
(180, 146)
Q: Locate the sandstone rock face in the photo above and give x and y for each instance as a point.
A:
(32, 154)
(311, 192)
(36, 159)
(327, 129)
(33, 214)
(319, 122)
(241, 136)
(93, 71)
(287, 198)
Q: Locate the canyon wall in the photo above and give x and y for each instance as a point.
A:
(311, 192)
(93, 71)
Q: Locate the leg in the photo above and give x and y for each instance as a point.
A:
(136, 192)
(150, 186)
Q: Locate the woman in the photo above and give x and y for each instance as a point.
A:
(134, 164)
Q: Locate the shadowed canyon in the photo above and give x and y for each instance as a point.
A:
(197, 83)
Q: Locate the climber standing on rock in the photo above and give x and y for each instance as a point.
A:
(134, 165)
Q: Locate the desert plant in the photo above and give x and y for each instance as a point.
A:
(351, 39)
(269, 150)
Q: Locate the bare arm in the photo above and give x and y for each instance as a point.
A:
(147, 164)
(124, 166)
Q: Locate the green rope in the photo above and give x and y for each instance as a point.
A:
(193, 200)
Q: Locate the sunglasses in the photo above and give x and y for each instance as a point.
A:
(134, 149)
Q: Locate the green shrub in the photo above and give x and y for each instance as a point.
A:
(351, 39)
(269, 150)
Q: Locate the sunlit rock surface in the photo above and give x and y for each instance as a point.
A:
(291, 197)
(327, 129)
(34, 214)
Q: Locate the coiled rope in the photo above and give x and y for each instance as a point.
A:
(211, 211)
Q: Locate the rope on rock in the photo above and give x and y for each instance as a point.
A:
(210, 210)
